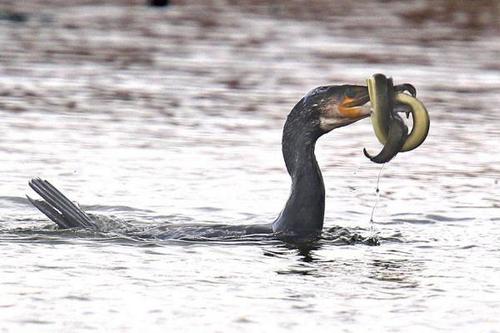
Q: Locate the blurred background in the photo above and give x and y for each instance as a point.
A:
(99, 89)
(174, 113)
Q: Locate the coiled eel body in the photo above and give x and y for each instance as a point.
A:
(388, 126)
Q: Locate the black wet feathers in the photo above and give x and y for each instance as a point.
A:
(58, 207)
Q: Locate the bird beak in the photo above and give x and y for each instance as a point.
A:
(353, 106)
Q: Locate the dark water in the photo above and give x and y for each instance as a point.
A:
(176, 116)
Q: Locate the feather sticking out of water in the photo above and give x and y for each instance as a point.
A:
(58, 207)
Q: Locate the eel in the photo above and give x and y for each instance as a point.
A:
(421, 121)
(396, 137)
(388, 126)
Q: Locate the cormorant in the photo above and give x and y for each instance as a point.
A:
(318, 112)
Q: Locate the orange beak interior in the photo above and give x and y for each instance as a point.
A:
(352, 107)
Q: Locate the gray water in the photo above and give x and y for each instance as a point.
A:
(175, 116)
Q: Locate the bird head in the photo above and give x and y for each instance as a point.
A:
(335, 106)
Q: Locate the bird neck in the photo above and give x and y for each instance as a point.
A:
(304, 211)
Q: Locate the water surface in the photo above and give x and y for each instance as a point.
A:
(176, 116)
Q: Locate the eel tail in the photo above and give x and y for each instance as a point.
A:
(57, 207)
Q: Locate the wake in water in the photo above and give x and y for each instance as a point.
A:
(147, 230)
(213, 234)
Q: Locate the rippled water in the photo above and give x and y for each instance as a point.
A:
(176, 115)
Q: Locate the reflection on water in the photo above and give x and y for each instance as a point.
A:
(175, 116)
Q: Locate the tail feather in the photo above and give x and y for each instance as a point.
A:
(50, 212)
(71, 208)
(58, 207)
